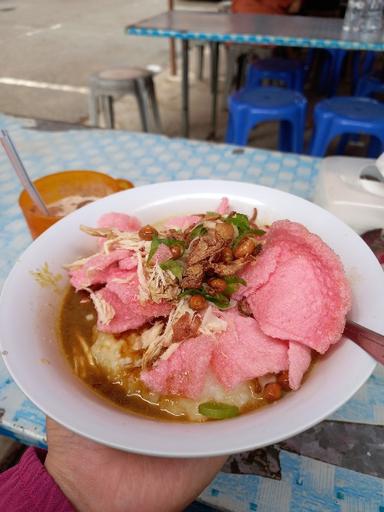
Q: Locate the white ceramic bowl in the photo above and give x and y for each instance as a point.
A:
(28, 316)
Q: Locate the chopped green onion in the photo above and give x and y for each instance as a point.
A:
(169, 242)
(154, 246)
(240, 221)
(218, 411)
(220, 300)
(199, 230)
(257, 232)
(234, 280)
(176, 267)
(156, 242)
(233, 283)
(190, 291)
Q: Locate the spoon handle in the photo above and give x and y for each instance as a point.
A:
(22, 174)
(372, 342)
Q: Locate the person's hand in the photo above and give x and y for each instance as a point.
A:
(97, 478)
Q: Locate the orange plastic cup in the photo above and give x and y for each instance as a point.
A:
(61, 185)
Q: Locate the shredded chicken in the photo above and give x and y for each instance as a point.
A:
(144, 293)
(170, 350)
(162, 284)
(78, 263)
(149, 336)
(116, 239)
(105, 312)
(126, 241)
(211, 323)
(102, 232)
(165, 339)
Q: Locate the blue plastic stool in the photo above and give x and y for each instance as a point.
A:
(330, 73)
(366, 87)
(362, 64)
(369, 85)
(249, 107)
(331, 70)
(290, 72)
(344, 115)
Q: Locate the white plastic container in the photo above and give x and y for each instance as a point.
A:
(344, 190)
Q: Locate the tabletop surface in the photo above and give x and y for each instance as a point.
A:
(302, 31)
(337, 465)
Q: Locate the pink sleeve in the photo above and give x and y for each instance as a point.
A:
(28, 487)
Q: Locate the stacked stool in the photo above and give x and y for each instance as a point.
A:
(344, 115)
(111, 84)
(331, 71)
(332, 60)
(290, 72)
(369, 85)
(362, 65)
(249, 107)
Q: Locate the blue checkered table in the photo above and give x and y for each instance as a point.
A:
(338, 465)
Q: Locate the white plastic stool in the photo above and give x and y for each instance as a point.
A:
(110, 84)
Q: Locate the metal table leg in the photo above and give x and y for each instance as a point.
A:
(185, 89)
(214, 86)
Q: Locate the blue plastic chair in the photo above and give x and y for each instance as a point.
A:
(345, 115)
(249, 107)
(290, 72)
